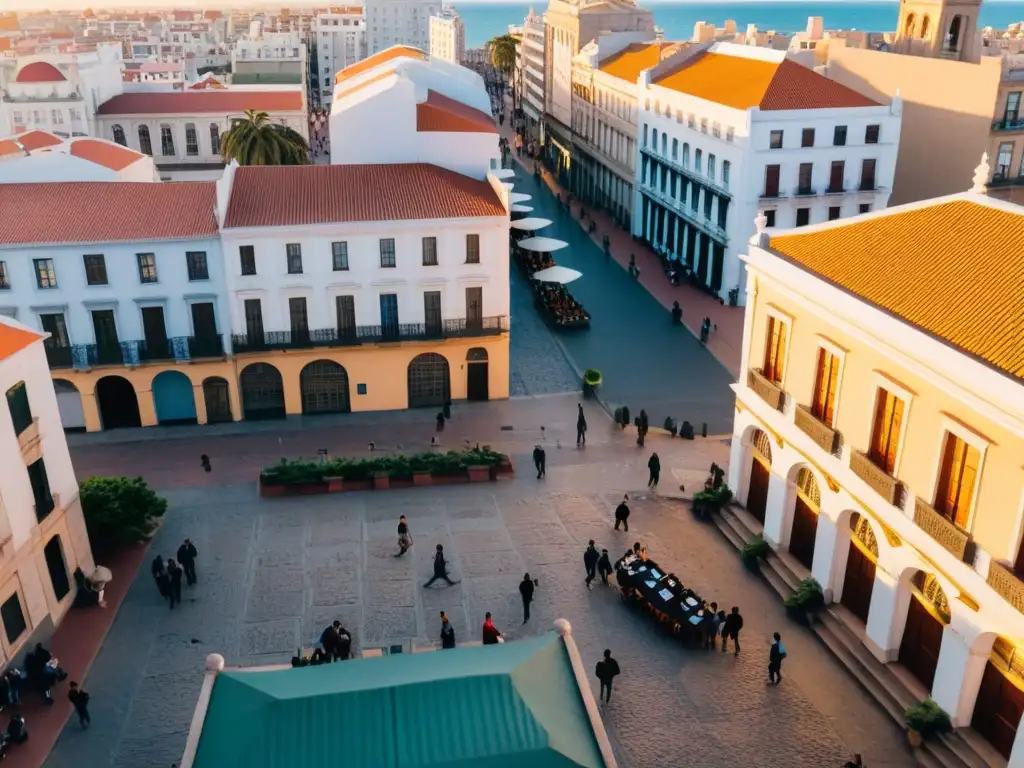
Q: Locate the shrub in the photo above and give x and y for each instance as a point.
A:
(592, 377)
(707, 502)
(928, 719)
(119, 511)
(451, 463)
(807, 598)
(754, 550)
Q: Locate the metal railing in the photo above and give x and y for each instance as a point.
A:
(132, 352)
(1006, 124)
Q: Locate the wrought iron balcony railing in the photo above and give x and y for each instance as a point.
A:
(132, 352)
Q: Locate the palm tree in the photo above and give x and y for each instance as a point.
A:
(254, 140)
(502, 52)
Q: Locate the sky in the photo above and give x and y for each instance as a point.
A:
(27, 5)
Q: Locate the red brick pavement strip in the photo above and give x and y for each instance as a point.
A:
(76, 643)
(726, 343)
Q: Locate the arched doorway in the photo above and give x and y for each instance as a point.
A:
(805, 518)
(173, 398)
(57, 567)
(859, 581)
(760, 474)
(262, 392)
(118, 405)
(324, 388)
(1000, 702)
(69, 406)
(926, 24)
(477, 374)
(217, 396)
(953, 38)
(908, 28)
(429, 380)
(927, 615)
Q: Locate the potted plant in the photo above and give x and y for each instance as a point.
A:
(754, 551)
(806, 601)
(670, 426)
(591, 381)
(708, 502)
(925, 720)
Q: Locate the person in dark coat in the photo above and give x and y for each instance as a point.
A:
(776, 654)
(731, 630)
(654, 465)
(641, 427)
(604, 566)
(490, 632)
(80, 701)
(204, 462)
(581, 427)
(163, 584)
(590, 558)
(440, 568)
(329, 641)
(607, 670)
(539, 460)
(187, 555)
(677, 313)
(447, 633)
(404, 538)
(622, 514)
(344, 644)
(174, 573)
(526, 592)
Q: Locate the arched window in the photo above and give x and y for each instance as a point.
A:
(166, 141)
(119, 136)
(908, 28)
(191, 139)
(711, 167)
(925, 25)
(955, 28)
(664, 145)
(697, 160)
(654, 139)
(686, 155)
(214, 138)
(675, 149)
(145, 145)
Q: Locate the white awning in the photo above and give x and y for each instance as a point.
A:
(531, 224)
(521, 209)
(542, 244)
(505, 173)
(518, 197)
(556, 274)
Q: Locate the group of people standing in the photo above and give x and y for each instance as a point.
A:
(168, 576)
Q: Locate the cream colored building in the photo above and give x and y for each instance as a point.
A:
(1006, 147)
(879, 441)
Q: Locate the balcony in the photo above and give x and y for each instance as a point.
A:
(884, 484)
(1004, 581)
(868, 185)
(1009, 124)
(805, 192)
(86, 356)
(833, 190)
(814, 428)
(767, 390)
(205, 346)
(772, 194)
(951, 536)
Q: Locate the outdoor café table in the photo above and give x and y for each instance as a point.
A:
(662, 594)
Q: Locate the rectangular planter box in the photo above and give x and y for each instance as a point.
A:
(401, 482)
(448, 479)
(422, 478)
(357, 485)
(270, 491)
(479, 474)
(335, 484)
(505, 469)
(381, 482)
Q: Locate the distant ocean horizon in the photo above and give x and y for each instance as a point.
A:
(485, 20)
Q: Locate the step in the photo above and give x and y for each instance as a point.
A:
(772, 576)
(980, 746)
(746, 520)
(926, 760)
(967, 752)
(739, 532)
(943, 755)
(784, 572)
(728, 531)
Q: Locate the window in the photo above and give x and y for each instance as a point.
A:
(56, 327)
(835, 176)
(145, 144)
(53, 553)
(708, 200)
(771, 181)
(40, 489)
(807, 137)
(871, 134)
(833, 212)
(775, 140)
(17, 404)
(119, 137)
(472, 249)
(864, 208)
(387, 252)
(826, 382)
(95, 269)
(247, 257)
(429, 251)
(774, 350)
(885, 432)
(154, 329)
(339, 256)
(198, 269)
(697, 156)
(803, 185)
(166, 141)
(1012, 110)
(839, 136)
(711, 167)
(686, 155)
(432, 312)
(957, 477)
(254, 321)
(389, 315)
(1003, 160)
(867, 175)
(204, 321)
(675, 149)
(5, 279)
(345, 308)
(645, 134)
(293, 252)
(298, 318)
(45, 275)
(803, 217)
(13, 618)
(214, 138)
(726, 167)
(474, 307)
(191, 139)
(769, 218)
(147, 267)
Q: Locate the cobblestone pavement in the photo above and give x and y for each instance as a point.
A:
(274, 572)
(537, 364)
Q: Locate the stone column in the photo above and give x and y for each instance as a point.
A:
(91, 410)
(824, 554)
(887, 617)
(147, 409)
(200, 401)
(735, 477)
(776, 528)
(292, 394)
(959, 672)
(234, 397)
(1017, 753)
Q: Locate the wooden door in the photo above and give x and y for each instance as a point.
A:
(476, 384)
(859, 582)
(805, 529)
(922, 639)
(757, 493)
(999, 707)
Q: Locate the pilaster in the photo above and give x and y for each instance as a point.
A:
(91, 411)
(958, 675)
(200, 401)
(147, 409)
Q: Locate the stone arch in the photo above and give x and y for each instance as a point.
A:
(117, 402)
(928, 612)
(955, 31)
(262, 392)
(69, 405)
(428, 380)
(477, 374)
(325, 389)
(217, 397)
(909, 25)
(999, 704)
(926, 24)
(173, 398)
(806, 504)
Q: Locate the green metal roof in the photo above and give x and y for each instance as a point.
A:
(517, 702)
(266, 78)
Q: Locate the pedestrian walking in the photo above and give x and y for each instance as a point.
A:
(634, 272)
(440, 568)
(329, 641)
(622, 514)
(581, 426)
(80, 701)
(641, 427)
(776, 654)
(654, 466)
(344, 649)
(447, 633)
(526, 592)
(174, 574)
(731, 630)
(491, 635)
(14, 681)
(539, 460)
(187, 554)
(160, 577)
(715, 627)
(204, 462)
(607, 670)
(404, 539)
(590, 558)
(604, 566)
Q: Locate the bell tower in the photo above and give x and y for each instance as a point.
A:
(945, 29)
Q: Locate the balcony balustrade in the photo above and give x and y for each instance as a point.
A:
(767, 390)
(951, 536)
(1004, 581)
(816, 429)
(884, 484)
(85, 356)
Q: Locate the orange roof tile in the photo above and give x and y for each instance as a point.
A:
(105, 153)
(383, 57)
(441, 114)
(323, 194)
(200, 102)
(741, 83)
(628, 63)
(34, 140)
(13, 339)
(39, 72)
(106, 212)
(10, 147)
(359, 86)
(9, 22)
(952, 269)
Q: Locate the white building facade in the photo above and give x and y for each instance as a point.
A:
(448, 37)
(530, 73)
(809, 150)
(340, 42)
(399, 22)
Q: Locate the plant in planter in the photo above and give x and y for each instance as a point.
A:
(754, 551)
(805, 601)
(706, 503)
(591, 381)
(670, 426)
(925, 720)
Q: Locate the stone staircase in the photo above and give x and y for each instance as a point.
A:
(963, 748)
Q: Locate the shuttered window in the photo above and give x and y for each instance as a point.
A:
(826, 381)
(957, 476)
(885, 433)
(775, 350)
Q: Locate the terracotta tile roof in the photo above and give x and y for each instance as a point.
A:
(105, 153)
(14, 339)
(441, 114)
(10, 147)
(322, 194)
(105, 212)
(741, 83)
(34, 140)
(9, 23)
(628, 63)
(952, 269)
(39, 72)
(197, 102)
(359, 86)
(395, 52)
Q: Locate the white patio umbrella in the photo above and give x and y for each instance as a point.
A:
(560, 275)
(531, 224)
(518, 197)
(505, 173)
(521, 209)
(542, 244)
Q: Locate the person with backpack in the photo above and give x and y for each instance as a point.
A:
(776, 654)
(607, 670)
(731, 630)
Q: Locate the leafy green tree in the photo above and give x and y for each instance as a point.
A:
(502, 52)
(254, 140)
(119, 511)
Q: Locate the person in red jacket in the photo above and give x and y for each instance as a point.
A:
(491, 633)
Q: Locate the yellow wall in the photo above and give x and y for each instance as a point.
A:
(997, 508)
